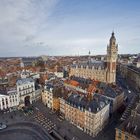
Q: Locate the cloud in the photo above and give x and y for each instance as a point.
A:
(20, 23)
(65, 27)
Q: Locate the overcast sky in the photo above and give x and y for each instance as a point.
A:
(67, 27)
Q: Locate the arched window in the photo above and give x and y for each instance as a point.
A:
(2, 101)
(6, 101)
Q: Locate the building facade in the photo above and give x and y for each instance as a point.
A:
(104, 71)
(47, 96)
(75, 116)
(9, 99)
(26, 91)
(95, 122)
(62, 106)
(51, 93)
(131, 74)
(89, 116)
(23, 94)
(115, 96)
(130, 128)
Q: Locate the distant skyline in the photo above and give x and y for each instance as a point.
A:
(67, 27)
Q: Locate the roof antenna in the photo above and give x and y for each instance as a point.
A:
(113, 32)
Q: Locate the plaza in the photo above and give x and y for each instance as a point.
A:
(41, 122)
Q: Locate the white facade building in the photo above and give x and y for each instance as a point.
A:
(28, 73)
(26, 91)
(14, 98)
(4, 102)
(9, 99)
(22, 95)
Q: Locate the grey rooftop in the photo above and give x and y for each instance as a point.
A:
(95, 105)
(24, 81)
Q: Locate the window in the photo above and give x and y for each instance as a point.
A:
(119, 134)
(126, 137)
(2, 101)
(6, 101)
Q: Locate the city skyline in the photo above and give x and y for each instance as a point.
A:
(62, 27)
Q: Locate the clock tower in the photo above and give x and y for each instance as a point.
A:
(112, 53)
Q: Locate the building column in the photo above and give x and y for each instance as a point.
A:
(1, 106)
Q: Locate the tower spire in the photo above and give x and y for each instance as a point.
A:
(112, 32)
(89, 53)
(89, 59)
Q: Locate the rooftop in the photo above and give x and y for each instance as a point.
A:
(80, 101)
(7, 91)
(79, 82)
(55, 85)
(109, 90)
(24, 81)
(3, 92)
(137, 59)
(131, 126)
(135, 69)
(137, 107)
(92, 64)
(3, 80)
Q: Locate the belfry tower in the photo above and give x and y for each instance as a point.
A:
(112, 53)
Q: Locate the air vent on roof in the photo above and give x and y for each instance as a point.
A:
(106, 101)
(74, 96)
(89, 109)
(127, 127)
(81, 98)
(102, 104)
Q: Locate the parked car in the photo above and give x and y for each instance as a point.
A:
(2, 126)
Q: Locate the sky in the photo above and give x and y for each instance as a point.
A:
(67, 27)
